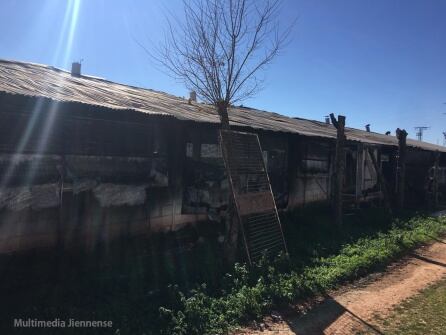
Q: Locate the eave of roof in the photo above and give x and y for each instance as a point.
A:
(38, 80)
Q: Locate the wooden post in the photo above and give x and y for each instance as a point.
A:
(293, 162)
(359, 172)
(435, 180)
(381, 181)
(339, 166)
(401, 166)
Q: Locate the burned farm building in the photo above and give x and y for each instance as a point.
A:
(83, 159)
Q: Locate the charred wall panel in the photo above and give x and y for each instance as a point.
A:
(206, 189)
(92, 179)
(418, 164)
(312, 177)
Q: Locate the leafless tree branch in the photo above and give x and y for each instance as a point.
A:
(220, 47)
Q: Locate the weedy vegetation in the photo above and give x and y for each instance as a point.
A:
(250, 293)
(193, 293)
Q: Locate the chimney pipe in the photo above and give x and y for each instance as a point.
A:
(193, 96)
(327, 119)
(367, 127)
(76, 69)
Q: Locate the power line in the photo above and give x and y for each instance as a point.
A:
(420, 130)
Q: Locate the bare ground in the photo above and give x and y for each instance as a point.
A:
(353, 309)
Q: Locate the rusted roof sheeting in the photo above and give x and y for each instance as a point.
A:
(45, 81)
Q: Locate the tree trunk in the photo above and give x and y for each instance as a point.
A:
(401, 168)
(232, 234)
(222, 109)
(231, 222)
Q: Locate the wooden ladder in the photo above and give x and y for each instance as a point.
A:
(252, 195)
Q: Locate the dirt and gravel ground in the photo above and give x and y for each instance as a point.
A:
(355, 308)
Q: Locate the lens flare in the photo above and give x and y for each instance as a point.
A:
(62, 56)
(65, 43)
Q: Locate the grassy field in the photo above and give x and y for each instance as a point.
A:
(425, 313)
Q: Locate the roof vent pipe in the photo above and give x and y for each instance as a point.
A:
(76, 69)
(327, 119)
(193, 96)
(367, 127)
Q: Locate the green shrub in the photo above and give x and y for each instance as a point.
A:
(249, 293)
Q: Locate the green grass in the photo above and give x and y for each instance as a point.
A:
(139, 301)
(252, 293)
(424, 313)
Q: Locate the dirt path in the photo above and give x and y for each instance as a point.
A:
(352, 310)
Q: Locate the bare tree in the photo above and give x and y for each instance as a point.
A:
(220, 47)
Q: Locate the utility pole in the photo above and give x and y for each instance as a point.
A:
(420, 131)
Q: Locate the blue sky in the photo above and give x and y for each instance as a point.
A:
(381, 62)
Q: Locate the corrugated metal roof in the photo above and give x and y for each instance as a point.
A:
(45, 81)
